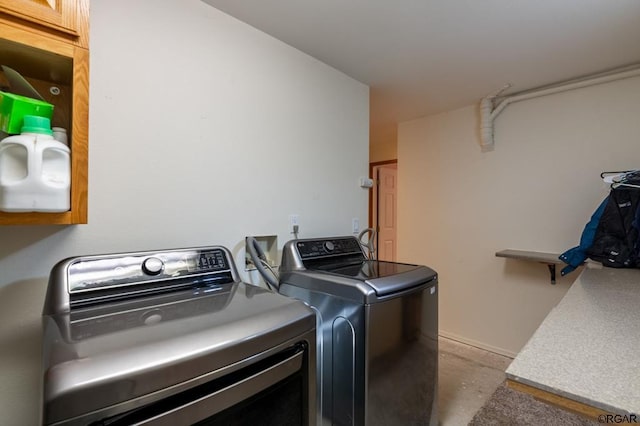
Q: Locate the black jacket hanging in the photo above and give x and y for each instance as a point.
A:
(615, 243)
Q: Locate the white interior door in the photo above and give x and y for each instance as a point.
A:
(387, 183)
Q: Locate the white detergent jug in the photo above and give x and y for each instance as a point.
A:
(35, 170)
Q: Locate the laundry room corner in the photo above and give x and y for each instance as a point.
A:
(459, 206)
(203, 130)
(298, 213)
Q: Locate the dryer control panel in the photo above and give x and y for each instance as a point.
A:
(100, 272)
(92, 280)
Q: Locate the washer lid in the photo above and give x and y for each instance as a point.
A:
(367, 269)
(385, 278)
(337, 267)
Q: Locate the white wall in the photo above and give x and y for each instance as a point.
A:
(202, 131)
(536, 191)
(383, 142)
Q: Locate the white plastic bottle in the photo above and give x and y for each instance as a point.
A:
(35, 170)
(60, 134)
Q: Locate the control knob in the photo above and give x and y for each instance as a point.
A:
(152, 266)
(329, 246)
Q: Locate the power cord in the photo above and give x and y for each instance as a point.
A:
(259, 260)
(369, 245)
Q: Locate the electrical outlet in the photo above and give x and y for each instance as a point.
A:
(355, 225)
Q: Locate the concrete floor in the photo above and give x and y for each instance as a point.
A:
(467, 377)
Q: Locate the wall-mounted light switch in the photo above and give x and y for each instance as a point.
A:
(294, 223)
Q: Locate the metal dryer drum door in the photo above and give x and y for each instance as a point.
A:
(173, 337)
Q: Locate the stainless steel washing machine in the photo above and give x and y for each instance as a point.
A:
(377, 332)
(172, 337)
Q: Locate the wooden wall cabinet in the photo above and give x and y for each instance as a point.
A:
(47, 42)
(56, 14)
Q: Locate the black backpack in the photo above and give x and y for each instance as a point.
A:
(615, 243)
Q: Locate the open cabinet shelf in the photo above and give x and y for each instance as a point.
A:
(56, 58)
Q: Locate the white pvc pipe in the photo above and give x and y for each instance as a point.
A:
(486, 123)
(487, 115)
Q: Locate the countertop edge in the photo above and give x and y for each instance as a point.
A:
(584, 348)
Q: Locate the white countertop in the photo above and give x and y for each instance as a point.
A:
(588, 347)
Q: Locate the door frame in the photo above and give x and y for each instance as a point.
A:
(375, 188)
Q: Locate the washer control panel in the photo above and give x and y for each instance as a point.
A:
(312, 249)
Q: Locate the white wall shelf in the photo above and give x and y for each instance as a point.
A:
(549, 259)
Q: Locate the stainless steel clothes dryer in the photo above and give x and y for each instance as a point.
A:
(377, 332)
(173, 337)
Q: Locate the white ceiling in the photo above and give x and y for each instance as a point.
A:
(426, 56)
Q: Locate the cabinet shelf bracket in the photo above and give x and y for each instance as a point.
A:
(552, 272)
